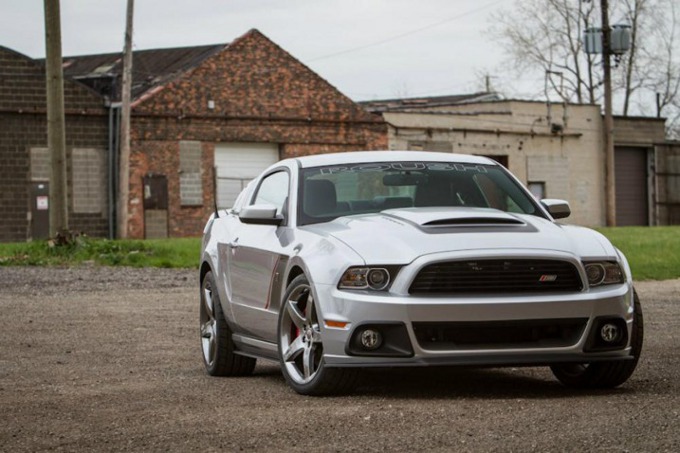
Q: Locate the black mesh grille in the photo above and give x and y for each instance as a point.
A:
(496, 276)
(500, 334)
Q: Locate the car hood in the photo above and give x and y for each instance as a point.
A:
(398, 236)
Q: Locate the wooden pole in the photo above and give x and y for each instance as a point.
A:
(124, 158)
(610, 176)
(56, 129)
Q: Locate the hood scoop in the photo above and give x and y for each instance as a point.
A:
(462, 220)
(473, 221)
(455, 217)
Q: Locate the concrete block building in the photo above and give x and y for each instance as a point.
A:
(554, 149)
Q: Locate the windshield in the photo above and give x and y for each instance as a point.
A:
(335, 191)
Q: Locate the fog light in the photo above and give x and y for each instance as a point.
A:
(371, 339)
(610, 333)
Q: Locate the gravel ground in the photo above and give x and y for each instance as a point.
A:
(108, 359)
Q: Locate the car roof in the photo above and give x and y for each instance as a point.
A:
(362, 157)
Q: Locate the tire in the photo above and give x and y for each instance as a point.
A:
(217, 347)
(301, 346)
(605, 374)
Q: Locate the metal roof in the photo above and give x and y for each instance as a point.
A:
(422, 103)
(150, 68)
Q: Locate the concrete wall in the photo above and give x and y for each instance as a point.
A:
(558, 146)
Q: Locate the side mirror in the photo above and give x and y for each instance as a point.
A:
(260, 214)
(559, 209)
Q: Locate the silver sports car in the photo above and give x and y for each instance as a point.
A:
(335, 262)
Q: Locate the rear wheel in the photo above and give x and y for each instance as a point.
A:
(217, 346)
(605, 374)
(301, 345)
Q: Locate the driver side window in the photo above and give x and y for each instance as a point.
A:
(273, 190)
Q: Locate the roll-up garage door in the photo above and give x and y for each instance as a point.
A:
(631, 186)
(237, 164)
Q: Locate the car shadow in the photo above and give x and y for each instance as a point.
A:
(467, 382)
(456, 382)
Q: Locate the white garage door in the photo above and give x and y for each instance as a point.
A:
(237, 164)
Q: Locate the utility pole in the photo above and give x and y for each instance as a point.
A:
(124, 157)
(56, 129)
(610, 177)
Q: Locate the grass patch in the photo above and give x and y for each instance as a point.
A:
(653, 252)
(178, 253)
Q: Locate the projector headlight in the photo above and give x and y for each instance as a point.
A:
(375, 278)
(604, 273)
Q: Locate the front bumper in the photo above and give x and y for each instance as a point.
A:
(365, 307)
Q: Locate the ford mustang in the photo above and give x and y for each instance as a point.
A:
(332, 263)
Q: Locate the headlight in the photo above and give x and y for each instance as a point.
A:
(603, 273)
(375, 278)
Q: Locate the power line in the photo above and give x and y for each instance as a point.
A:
(407, 33)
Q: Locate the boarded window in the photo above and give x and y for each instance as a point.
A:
(40, 164)
(190, 183)
(89, 181)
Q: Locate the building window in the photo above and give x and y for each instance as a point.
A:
(89, 181)
(190, 182)
(537, 189)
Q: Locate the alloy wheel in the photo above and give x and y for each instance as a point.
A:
(301, 346)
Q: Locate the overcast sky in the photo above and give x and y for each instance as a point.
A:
(369, 49)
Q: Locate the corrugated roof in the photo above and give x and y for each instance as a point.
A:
(420, 103)
(150, 68)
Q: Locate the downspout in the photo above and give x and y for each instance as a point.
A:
(109, 175)
(114, 128)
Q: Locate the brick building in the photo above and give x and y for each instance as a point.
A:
(24, 159)
(234, 108)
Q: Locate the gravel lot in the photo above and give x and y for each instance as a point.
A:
(108, 359)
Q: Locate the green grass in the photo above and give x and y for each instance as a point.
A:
(181, 253)
(653, 253)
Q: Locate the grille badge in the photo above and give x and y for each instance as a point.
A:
(548, 278)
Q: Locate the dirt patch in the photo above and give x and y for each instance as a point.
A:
(96, 358)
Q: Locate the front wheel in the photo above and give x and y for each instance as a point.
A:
(605, 374)
(301, 345)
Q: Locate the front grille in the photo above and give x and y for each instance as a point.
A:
(539, 333)
(496, 276)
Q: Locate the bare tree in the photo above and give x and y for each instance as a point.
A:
(546, 36)
(664, 61)
(632, 73)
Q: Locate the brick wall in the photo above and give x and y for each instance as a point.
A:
(260, 94)
(23, 126)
